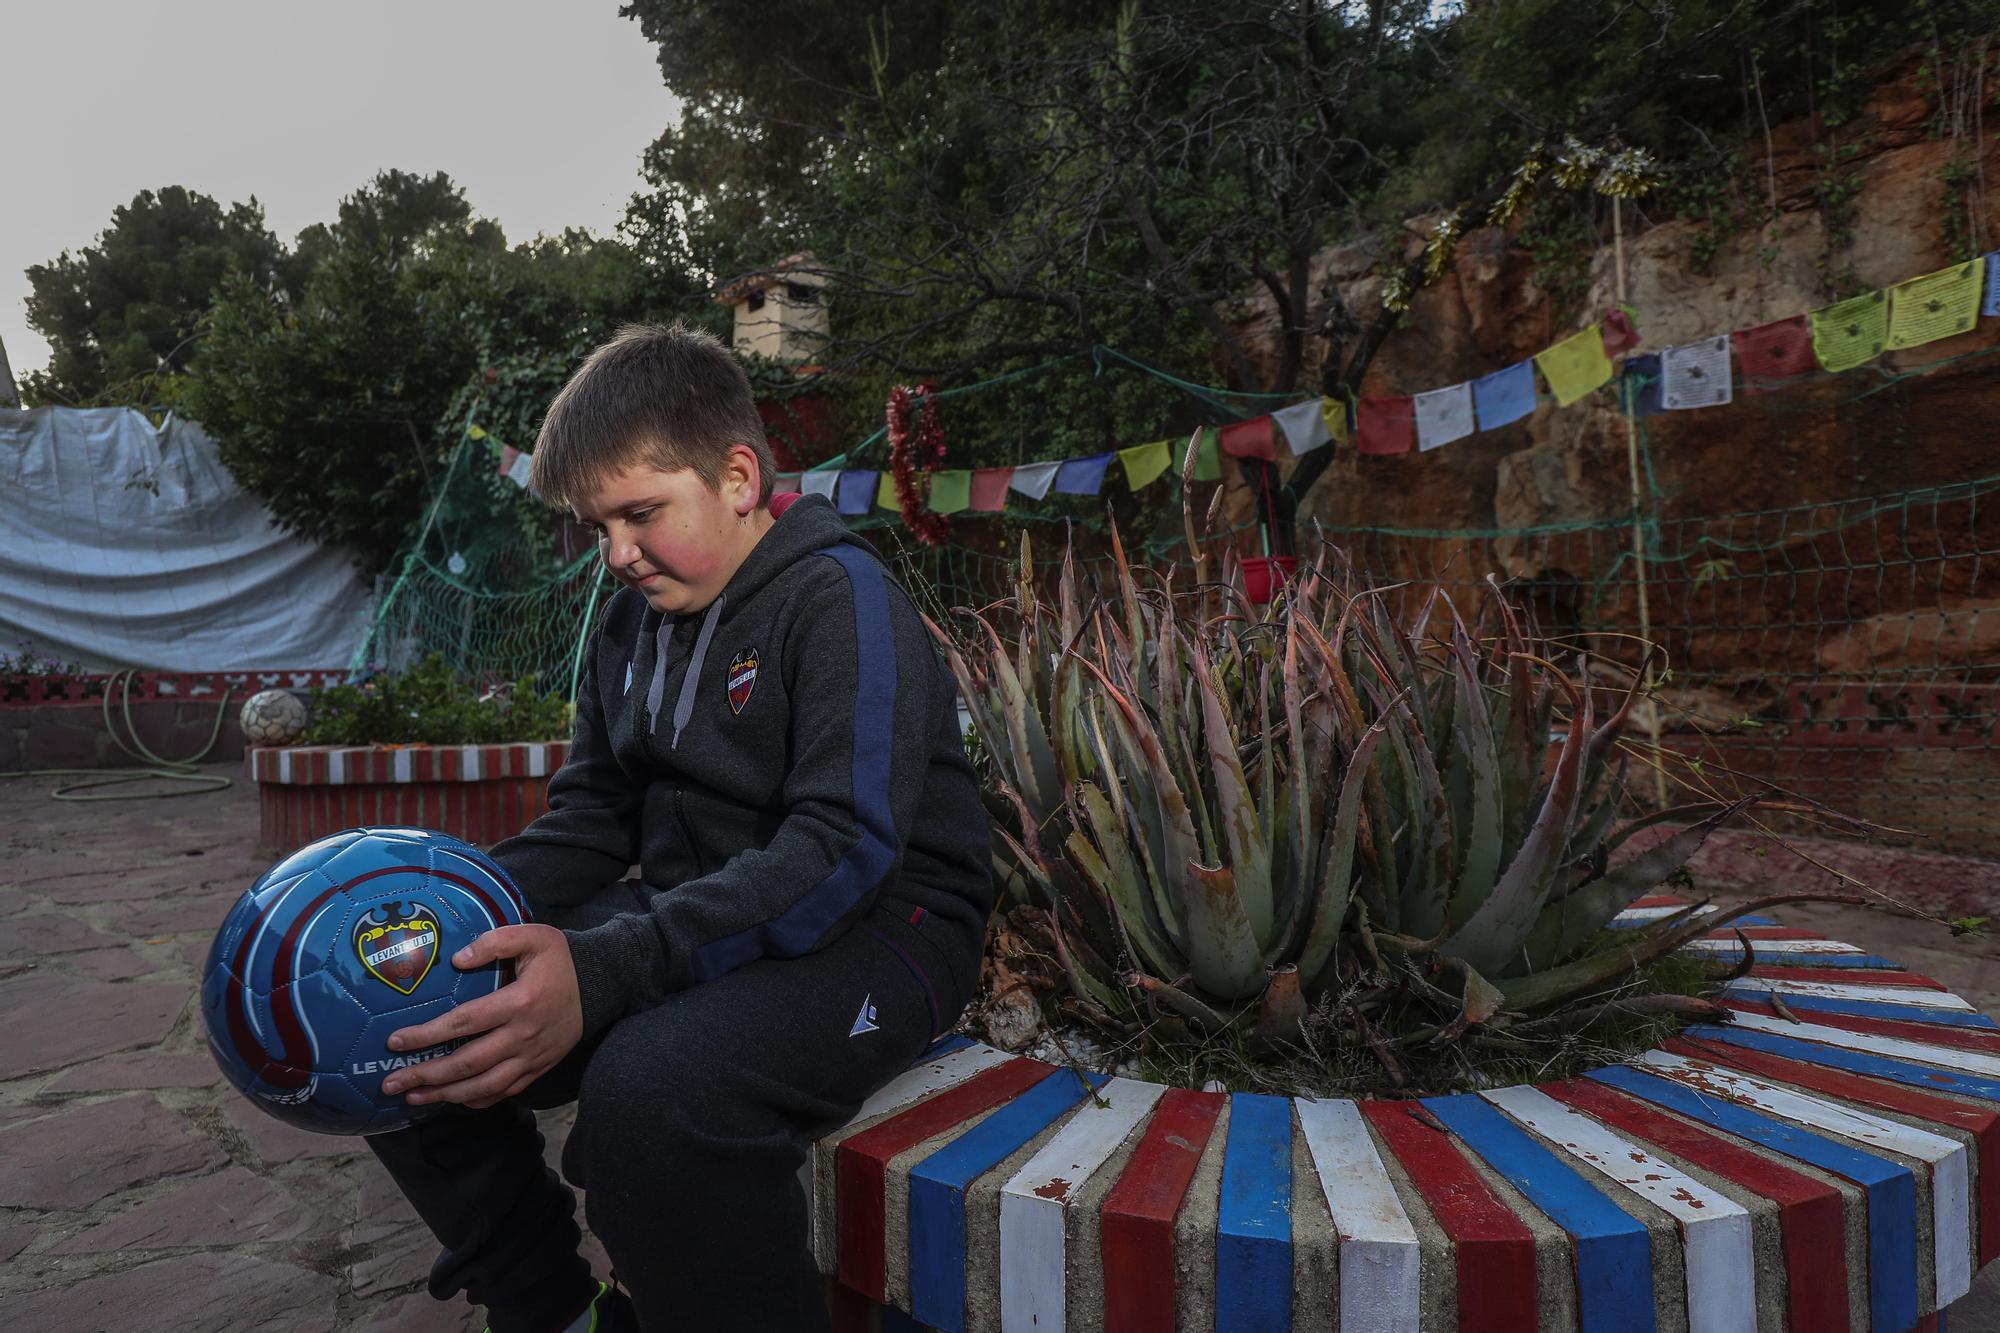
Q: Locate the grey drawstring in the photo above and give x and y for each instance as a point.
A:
(656, 692)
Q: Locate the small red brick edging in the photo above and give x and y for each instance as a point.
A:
(481, 793)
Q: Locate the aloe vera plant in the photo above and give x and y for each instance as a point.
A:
(1230, 812)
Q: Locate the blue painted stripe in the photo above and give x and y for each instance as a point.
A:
(1616, 924)
(938, 1185)
(801, 927)
(1854, 1062)
(1614, 1257)
(1891, 1187)
(1907, 1013)
(1253, 1240)
(943, 1046)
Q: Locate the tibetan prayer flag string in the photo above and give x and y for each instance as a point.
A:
(1851, 333)
(1774, 354)
(1696, 374)
(989, 489)
(1991, 306)
(857, 491)
(787, 483)
(1639, 386)
(885, 492)
(1937, 305)
(1333, 411)
(1249, 439)
(1145, 462)
(1082, 476)
(1034, 479)
(1304, 426)
(951, 491)
(1505, 396)
(822, 482)
(1385, 425)
(1575, 366)
(1443, 415)
(1208, 455)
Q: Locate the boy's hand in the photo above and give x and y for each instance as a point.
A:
(528, 1025)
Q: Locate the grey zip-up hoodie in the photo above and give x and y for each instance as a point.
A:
(776, 766)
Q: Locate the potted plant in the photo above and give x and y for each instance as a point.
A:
(424, 746)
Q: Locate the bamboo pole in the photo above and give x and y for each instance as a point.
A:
(1652, 713)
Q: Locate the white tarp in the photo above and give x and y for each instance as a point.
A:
(122, 545)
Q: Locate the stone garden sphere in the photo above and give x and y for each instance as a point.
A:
(273, 717)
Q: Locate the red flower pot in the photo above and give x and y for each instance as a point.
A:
(1263, 575)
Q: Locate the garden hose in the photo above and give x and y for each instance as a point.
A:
(184, 771)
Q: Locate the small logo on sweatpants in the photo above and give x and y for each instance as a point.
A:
(865, 1020)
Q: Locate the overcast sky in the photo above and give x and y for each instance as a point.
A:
(539, 109)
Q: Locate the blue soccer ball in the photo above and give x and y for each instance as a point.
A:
(334, 948)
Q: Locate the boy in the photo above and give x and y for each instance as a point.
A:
(765, 728)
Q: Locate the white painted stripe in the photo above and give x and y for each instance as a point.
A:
(538, 761)
(1033, 1261)
(1950, 1175)
(1915, 996)
(1951, 1057)
(402, 765)
(1380, 1260)
(1715, 1229)
(336, 766)
(1763, 947)
(1659, 913)
(284, 765)
(468, 763)
(920, 1081)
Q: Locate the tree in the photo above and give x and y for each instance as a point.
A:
(125, 311)
(342, 405)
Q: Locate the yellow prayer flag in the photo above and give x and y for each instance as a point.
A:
(885, 492)
(1145, 462)
(1334, 412)
(476, 432)
(1937, 305)
(951, 491)
(1575, 366)
(1852, 332)
(1208, 455)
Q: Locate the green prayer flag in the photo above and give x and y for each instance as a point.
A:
(885, 492)
(1145, 462)
(1208, 455)
(1334, 410)
(1575, 366)
(1937, 305)
(951, 491)
(1851, 333)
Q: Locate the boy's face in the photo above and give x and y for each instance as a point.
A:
(671, 537)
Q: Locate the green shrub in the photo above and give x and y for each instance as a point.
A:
(431, 704)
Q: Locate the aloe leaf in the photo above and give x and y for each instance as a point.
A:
(1304, 807)
(1479, 1000)
(1481, 840)
(1337, 861)
(1153, 950)
(1249, 854)
(1492, 936)
(1280, 1012)
(1035, 769)
(1222, 945)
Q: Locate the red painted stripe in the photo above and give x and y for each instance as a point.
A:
(861, 1164)
(319, 768)
(1937, 1034)
(1660, 900)
(1809, 1211)
(1136, 1220)
(450, 762)
(1849, 976)
(849, 1309)
(1982, 1124)
(1496, 1251)
(1765, 933)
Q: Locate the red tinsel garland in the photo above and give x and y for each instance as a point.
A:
(913, 450)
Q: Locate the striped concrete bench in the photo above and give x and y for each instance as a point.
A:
(481, 793)
(1814, 1173)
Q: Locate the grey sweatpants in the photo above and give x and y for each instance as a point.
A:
(693, 1119)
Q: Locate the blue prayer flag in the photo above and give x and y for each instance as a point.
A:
(1991, 306)
(1639, 387)
(1504, 396)
(1082, 476)
(857, 491)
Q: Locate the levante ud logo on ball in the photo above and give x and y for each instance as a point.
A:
(398, 943)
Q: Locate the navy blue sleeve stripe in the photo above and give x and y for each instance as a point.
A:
(805, 923)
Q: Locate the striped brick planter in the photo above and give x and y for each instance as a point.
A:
(481, 793)
(1825, 1172)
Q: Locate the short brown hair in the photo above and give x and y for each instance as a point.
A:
(669, 397)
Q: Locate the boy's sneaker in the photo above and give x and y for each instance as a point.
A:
(610, 1311)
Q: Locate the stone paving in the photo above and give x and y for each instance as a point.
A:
(137, 1192)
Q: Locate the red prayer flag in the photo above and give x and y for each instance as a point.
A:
(1618, 334)
(1385, 425)
(1249, 439)
(989, 488)
(1775, 354)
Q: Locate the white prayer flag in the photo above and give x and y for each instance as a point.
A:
(1034, 479)
(1304, 425)
(518, 471)
(1444, 415)
(1696, 375)
(819, 483)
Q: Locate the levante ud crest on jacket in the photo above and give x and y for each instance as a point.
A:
(742, 678)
